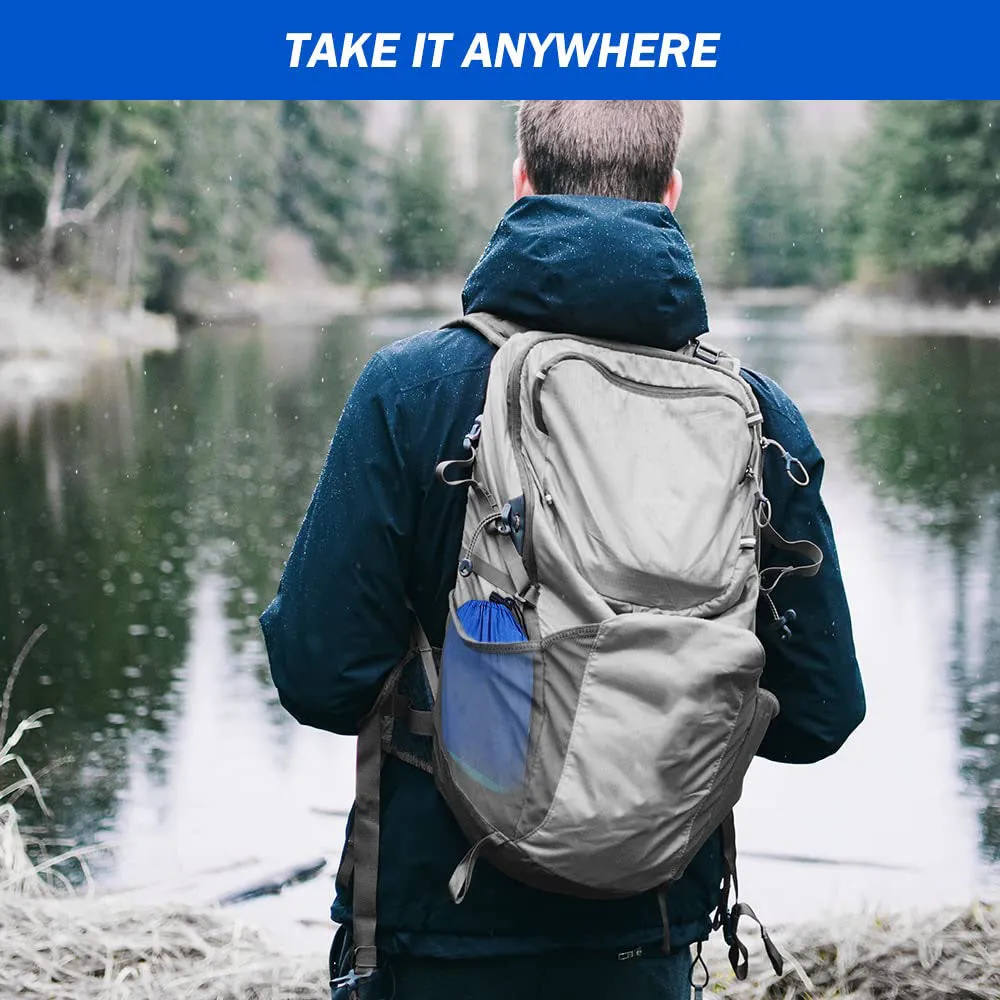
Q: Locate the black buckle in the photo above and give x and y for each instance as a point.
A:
(351, 980)
(706, 353)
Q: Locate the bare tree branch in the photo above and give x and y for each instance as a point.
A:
(84, 216)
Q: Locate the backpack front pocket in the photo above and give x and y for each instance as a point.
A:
(662, 700)
(643, 482)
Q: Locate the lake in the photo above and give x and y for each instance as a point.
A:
(145, 524)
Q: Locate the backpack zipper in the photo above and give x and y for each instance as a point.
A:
(629, 384)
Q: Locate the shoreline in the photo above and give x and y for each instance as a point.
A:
(103, 947)
(71, 327)
(48, 350)
(312, 303)
(850, 309)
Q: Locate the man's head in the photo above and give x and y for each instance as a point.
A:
(617, 149)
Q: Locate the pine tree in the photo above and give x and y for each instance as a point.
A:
(322, 184)
(423, 216)
(774, 234)
(931, 188)
(706, 207)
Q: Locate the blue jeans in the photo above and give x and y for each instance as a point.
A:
(567, 975)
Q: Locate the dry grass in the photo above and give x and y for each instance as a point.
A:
(951, 953)
(80, 949)
(63, 942)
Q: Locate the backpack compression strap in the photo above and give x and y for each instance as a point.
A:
(773, 575)
(738, 952)
(495, 329)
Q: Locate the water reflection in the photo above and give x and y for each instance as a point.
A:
(115, 506)
(146, 525)
(929, 441)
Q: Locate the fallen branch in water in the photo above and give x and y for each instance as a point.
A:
(275, 884)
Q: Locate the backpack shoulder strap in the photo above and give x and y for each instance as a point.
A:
(359, 863)
(495, 329)
(697, 348)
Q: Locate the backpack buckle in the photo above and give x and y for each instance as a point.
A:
(510, 518)
(471, 440)
(706, 353)
(351, 980)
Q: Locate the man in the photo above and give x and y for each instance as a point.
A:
(589, 247)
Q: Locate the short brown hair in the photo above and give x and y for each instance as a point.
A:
(618, 149)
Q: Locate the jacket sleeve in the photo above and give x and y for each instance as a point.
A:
(813, 673)
(339, 622)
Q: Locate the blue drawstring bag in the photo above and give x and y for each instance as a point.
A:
(486, 696)
(490, 621)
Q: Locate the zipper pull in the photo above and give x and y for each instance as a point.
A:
(536, 400)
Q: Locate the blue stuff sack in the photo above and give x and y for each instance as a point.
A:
(486, 696)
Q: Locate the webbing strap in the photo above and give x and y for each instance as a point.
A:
(515, 569)
(514, 581)
(661, 899)
(728, 830)
(423, 645)
(495, 329)
(490, 573)
(738, 952)
(346, 869)
(461, 877)
(360, 858)
(739, 955)
(418, 722)
(706, 352)
(366, 838)
(806, 549)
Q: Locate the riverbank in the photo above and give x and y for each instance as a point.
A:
(46, 350)
(916, 956)
(69, 942)
(66, 326)
(100, 949)
(297, 291)
(312, 303)
(77, 946)
(850, 309)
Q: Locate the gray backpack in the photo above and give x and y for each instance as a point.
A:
(597, 702)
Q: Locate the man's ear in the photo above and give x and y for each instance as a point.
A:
(522, 186)
(672, 195)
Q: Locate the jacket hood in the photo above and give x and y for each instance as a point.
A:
(596, 267)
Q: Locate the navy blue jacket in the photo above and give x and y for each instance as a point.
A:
(381, 529)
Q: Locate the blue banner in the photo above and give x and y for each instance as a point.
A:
(320, 50)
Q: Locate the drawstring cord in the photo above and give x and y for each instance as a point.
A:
(792, 464)
(699, 984)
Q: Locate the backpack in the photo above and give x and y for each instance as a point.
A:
(596, 703)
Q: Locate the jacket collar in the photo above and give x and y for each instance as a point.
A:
(596, 267)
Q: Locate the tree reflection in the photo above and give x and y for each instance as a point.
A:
(113, 506)
(930, 440)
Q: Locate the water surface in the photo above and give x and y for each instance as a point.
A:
(145, 524)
